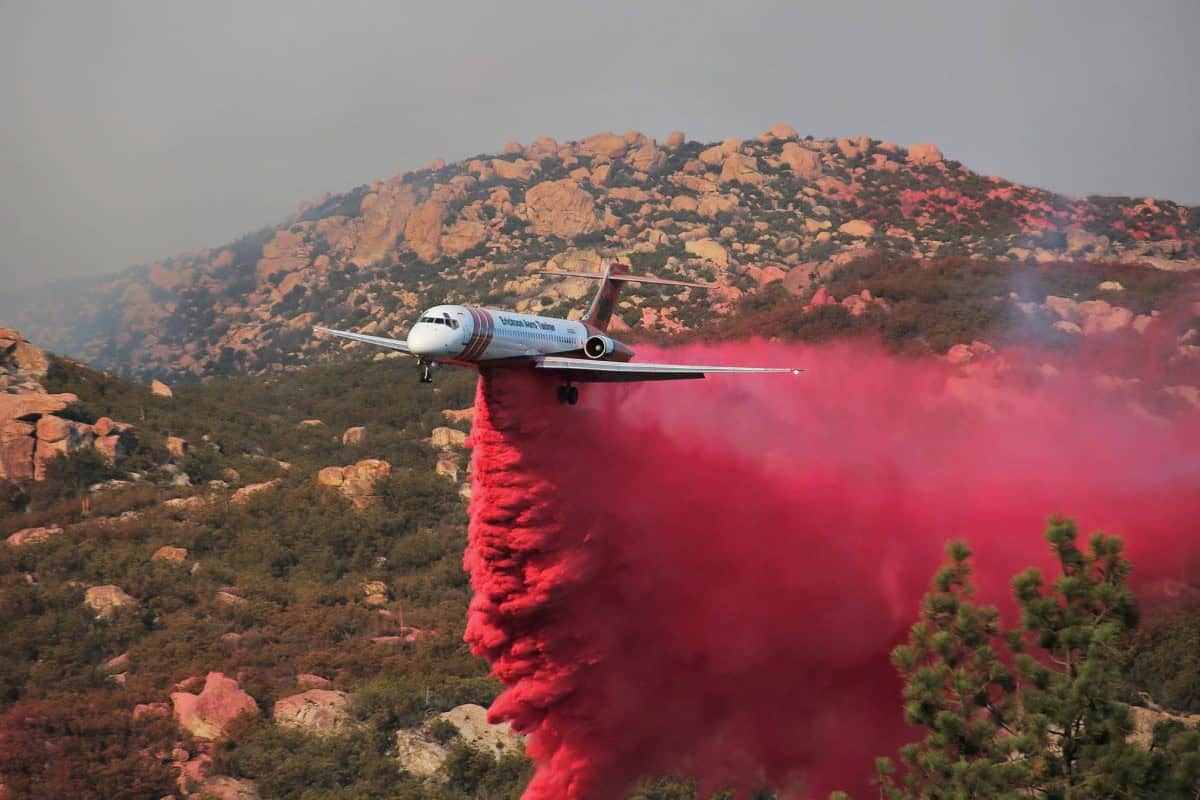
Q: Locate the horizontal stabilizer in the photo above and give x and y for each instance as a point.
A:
(618, 276)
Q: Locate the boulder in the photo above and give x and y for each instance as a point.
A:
(446, 438)
(33, 405)
(356, 481)
(248, 491)
(924, 154)
(385, 214)
(374, 589)
(423, 230)
(542, 147)
(708, 250)
(228, 598)
(675, 140)
(184, 503)
(712, 205)
(473, 726)
(738, 168)
(802, 161)
(853, 148)
(859, 228)
(421, 755)
(354, 437)
(107, 600)
(175, 555)
(320, 712)
(781, 131)
(607, 145)
(112, 447)
(447, 467)
(418, 754)
(518, 170)
(116, 664)
(177, 447)
(463, 235)
(647, 158)
(459, 415)
(560, 208)
(33, 535)
(331, 476)
(310, 423)
(307, 680)
(160, 389)
(16, 449)
(58, 437)
(207, 715)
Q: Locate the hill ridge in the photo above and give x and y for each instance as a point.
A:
(774, 207)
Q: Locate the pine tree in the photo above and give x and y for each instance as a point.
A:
(1037, 711)
(1068, 658)
(960, 692)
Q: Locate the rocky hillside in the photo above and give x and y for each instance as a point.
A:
(775, 208)
(274, 608)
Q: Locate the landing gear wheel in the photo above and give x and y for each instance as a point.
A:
(426, 372)
(568, 394)
(562, 394)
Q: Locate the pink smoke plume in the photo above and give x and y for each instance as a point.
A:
(707, 578)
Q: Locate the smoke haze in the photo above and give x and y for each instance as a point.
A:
(134, 131)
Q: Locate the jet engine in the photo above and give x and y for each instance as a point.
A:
(599, 347)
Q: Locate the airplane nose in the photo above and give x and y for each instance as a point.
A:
(431, 340)
(422, 340)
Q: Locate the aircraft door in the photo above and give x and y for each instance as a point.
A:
(459, 323)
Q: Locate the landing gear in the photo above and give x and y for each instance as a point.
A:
(568, 394)
(426, 370)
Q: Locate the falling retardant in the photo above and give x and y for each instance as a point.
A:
(706, 578)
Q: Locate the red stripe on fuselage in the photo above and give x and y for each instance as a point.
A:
(489, 331)
(480, 335)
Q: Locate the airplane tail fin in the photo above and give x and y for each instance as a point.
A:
(600, 312)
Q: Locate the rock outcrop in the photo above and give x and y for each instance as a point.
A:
(207, 715)
(420, 754)
(561, 208)
(106, 601)
(32, 434)
(357, 481)
(320, 712)
(33, 535)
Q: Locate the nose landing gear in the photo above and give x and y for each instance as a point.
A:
(426, 370)
(568, 394)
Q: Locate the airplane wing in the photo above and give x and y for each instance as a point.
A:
(589, 370)
(378, 341)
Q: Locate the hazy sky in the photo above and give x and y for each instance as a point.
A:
(132, 131)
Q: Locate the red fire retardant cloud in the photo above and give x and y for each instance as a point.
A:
(707, 578)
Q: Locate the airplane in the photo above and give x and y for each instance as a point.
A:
(573, 352)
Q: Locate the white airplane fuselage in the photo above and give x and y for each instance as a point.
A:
(459, 334)
(571, 352)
